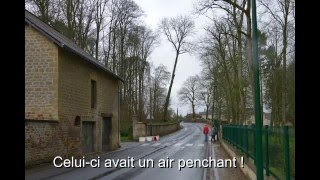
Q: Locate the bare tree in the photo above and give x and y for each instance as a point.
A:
(236, 9)
(99, 17)
(176, 30)
(160, 79)
(205, 93)
(280, 11)
(188, 92)
(46, 10)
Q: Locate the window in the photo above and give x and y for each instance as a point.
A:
(93, 94)
(77, 121)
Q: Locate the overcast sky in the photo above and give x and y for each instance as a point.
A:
(188, 65)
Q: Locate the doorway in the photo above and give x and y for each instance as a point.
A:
(106, 133)
(87, 137)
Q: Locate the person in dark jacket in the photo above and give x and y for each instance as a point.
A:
(213, 134)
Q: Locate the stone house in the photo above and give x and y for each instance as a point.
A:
(203, 114)
(266, 117)
(71, 100)
(190, 116)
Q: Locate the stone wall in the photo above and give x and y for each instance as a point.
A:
(141, 129)
(162, 129)
(41, 76)
(43, 141)
(75, 99)
(43, 132)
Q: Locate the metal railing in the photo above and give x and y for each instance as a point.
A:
(278, 147)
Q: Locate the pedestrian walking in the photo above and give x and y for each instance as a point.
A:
(205, 132)
(213, 134)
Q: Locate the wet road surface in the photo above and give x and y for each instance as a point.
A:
(187, 143)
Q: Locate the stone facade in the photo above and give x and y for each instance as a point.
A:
(162, 129)
(75, 98)
(41, 76)
(141, 129)
(57, 90)
(43, 141)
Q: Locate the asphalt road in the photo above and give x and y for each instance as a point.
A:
(188, 143)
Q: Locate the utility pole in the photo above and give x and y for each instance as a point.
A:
(177, 113)
(257, 102)
(150, 120)
(150, 105)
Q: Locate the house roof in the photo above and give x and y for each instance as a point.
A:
(267, 115)
(64, 42)
(194, 114)
(204, 113)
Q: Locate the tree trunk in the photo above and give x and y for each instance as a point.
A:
(97, 41)
(193, 113)
(207, 111)
(150, 114)
(114, 64)
(170, 87)
(212, 113)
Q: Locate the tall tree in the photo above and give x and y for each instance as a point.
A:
(280, 11)
(46, 10)
(99, 18)
(160, 79)
(189, 92)
(177, 30)
(205, 93)
(237, 9)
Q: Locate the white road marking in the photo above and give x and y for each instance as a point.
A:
(178, 144)
(189, 144)
(200, 145)
(215, 170)
(156, 144)
(145, 144)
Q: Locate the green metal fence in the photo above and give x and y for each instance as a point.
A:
(278, 147)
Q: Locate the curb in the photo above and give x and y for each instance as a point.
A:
(246, 170)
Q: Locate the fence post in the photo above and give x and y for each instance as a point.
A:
(222, 134)
(241, 135)
(254, 144)
(227, 133)
(247, 141)
(231, 135)
(234, 136)
(267, 149)
(286, 151)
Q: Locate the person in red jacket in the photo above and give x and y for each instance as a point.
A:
(205, 132)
